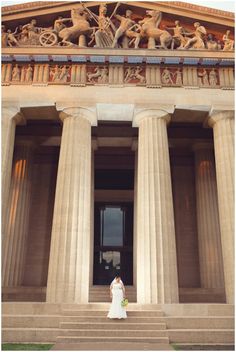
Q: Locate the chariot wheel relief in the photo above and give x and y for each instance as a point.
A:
(48, 38)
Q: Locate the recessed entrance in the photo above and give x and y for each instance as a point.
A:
(113, 215)
(113, 242)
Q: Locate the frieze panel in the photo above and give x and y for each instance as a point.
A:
(150, 76)
(120, 29)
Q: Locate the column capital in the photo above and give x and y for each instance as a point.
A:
(13, 112)
(219, 116)
(150, 114)
(78, 112)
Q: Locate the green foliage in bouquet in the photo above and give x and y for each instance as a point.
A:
(125, 302)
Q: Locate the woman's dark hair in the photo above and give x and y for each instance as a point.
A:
(116, 277)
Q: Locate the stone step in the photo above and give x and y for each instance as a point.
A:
(113, 333)
(198, 336)
(51, 321)
(111, 346)
(37, 335)
(199, 322)
(101, 313)
(118, 326)
(104, 319)
(81, 339)
(37, 321)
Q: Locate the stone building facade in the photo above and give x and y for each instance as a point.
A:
(117, 151)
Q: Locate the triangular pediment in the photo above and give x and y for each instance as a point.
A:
(152, 25)
(45, 11)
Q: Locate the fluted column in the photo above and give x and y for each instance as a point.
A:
(94, 147)
(210, 251)
(135, 149)
(15, 240)
(156, 251)
(68, 276)
(10, 118)
(223, 130)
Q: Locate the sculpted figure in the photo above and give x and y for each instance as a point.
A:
(197, 41)
(178, 75)
(56, 73)
(101, 73)
(203, 78)
(64, 71)
(150, 30)
(59, 24)
(4, 37)
(81, 26)
(179, 37)
(126, 28)
(137, 74)
(129, 73)
(11, 39)
(29, 74)
(23, 35)
(211, 43)
(103, 34)
(228, 43)
(166, 77)
(31, 31)
(212, 78)
(16, 73)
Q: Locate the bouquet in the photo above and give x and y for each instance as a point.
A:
(124, 302)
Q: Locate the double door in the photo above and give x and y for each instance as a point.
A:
(113, 242)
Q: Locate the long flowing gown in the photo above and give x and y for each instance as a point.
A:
(116, 309)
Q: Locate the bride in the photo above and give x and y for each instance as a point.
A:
(117, 292)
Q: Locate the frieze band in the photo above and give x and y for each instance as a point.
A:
(151, 76)
(116, 31)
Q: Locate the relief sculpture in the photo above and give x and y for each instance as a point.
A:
(151, 76)
(121, 29)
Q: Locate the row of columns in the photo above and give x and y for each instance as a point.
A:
(68, 276)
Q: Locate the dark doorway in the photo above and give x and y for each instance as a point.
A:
(113, 242)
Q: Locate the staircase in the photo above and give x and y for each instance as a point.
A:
(148, 327)
(145, 326)
(102, 294)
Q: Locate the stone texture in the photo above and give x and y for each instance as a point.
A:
(15, 241)
(184, 199)
(44, 174)
(156, 252)
(68, 276)
(223, 129)
(10, 117)
(210, 252)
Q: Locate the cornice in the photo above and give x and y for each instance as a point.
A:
(30, 6)
(176, 5)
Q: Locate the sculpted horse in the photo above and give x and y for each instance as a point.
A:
(81, 27)
(150, 30)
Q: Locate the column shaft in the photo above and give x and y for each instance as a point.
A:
(223, 129)
(68, 277)
(15, 240)
(9, 120)
(210, 252)
(156, 250)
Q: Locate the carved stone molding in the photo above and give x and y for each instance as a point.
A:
(150, 76)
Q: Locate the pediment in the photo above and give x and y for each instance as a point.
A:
(215, 22)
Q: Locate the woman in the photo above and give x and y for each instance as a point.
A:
(117, 293)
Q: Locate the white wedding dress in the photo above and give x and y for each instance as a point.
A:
(116, 309)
